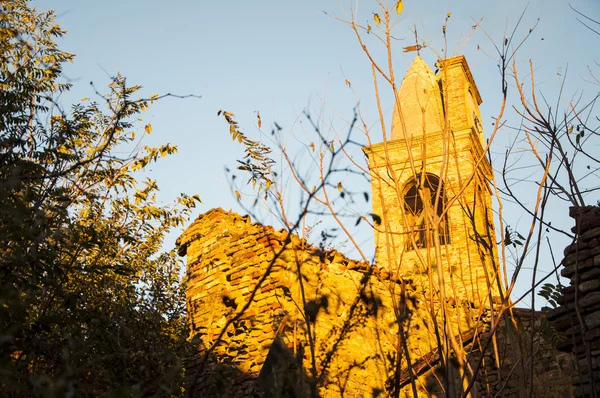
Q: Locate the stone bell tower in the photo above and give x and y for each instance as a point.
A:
(430, 183)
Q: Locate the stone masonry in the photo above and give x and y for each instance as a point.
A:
(350, 308)
(578, 317)
(467, 264)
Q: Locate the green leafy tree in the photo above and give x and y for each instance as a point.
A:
(89, 302)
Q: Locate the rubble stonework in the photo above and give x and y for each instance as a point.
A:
(578, 316)
(505, 370)
(348, 306)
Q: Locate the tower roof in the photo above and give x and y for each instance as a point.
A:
(418, 107)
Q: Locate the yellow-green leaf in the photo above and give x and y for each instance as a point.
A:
(237, 195)
(148, 128)
(377, 19)
(340, 187)
(399, 6)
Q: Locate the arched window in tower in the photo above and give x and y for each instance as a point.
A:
(420, 206)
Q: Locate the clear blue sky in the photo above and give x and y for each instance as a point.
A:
(281, 57)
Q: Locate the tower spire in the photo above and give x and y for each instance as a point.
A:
(418, 109)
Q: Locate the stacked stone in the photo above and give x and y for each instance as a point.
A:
(578, 317)
(551, 369)
(215, 248)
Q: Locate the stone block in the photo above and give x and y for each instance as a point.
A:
(587, 286)
(590, 234)
(590, 274)
(589, 299)
(579, 256)
(593, 320)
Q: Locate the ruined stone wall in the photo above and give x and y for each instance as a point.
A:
(351, 309)
(522, 357)
(578, 317)
(227, 258)
(519, 358)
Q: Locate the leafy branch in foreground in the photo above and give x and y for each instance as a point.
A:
(90, 303)
(257, 160)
